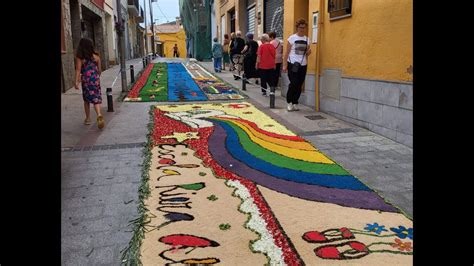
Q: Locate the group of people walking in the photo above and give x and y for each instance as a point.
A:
(265, 60)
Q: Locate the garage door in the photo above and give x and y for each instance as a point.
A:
(88, 29)
(251, 19)
(274, 17)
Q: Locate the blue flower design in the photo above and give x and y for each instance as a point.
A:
(403, 232)
(376, 228)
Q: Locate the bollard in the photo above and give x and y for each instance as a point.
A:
(144, 63)
(272, 97)
(244, 83)
(110, 101)
(132, 74)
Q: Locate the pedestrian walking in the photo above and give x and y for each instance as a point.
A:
(278, 44)
(237, 57)
(225, 48)
(175, 50)
(295, 62)
(231, 50)
(217, 55)
(250, 57)
(266, 64)
(88, 70)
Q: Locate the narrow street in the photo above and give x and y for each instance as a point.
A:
(102, 171)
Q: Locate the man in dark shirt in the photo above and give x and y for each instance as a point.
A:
(237, 58)
(250, 57)
(175, 51)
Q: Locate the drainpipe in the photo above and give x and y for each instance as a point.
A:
(322, 12)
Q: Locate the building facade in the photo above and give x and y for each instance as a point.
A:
(141, 40)
(110, 18)
(93, 27)
(96, 19)
(169, 34)
(135, 16)
(81, 18)
(166, 36)
(361, 66)
(196, 19)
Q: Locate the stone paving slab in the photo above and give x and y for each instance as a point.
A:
(99, 197)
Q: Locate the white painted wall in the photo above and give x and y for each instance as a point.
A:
(111, 45)
(223, 27)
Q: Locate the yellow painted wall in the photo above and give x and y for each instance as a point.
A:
(288, 22)
(170, 39)
(312, 7)
(294, 10)
(375, 43)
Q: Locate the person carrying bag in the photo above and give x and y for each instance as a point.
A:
(297, 66)
(298, 50)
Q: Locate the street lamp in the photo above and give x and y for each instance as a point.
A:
(120, 27)
(196, 11)
(154, 40)
(146, 30)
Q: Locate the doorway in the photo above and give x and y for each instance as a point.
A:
(232, 20)
(159, 49)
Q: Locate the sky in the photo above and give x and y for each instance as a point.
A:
(169, 11)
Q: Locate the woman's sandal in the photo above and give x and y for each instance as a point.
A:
(87, 122)
(100, 122)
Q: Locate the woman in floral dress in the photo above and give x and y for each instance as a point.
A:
(88, 69)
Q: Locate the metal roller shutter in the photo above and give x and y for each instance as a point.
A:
(88, 30)
(274, 17)
(251, 19)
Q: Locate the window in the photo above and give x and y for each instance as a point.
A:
(339, 9)
(315, 27)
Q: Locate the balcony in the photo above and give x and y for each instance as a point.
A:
(133, 8)
(99, 3)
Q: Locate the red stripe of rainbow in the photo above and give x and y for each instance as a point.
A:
(135, 91)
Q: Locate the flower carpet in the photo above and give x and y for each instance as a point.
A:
(178, 82)
(226, 184)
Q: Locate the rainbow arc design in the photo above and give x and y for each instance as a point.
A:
(288, 164)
